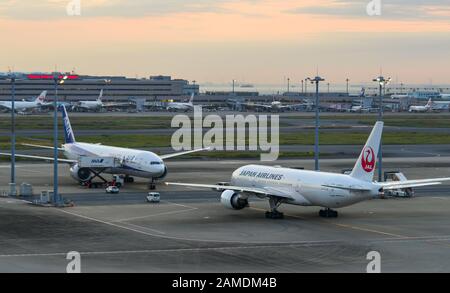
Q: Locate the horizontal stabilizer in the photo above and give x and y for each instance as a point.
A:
(395, 187)
(412, 183)
(40, 146)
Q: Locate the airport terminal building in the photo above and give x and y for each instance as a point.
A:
(84, 87)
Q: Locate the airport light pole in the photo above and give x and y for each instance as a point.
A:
(233, 85)
(347, 80)
(56, 196)
(288, 85)
(306, 86)
(302, 87)
(13, 135)
(316, 80)
(382, 82)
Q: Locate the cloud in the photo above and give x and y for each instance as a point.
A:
(50, 9)
(430, 10)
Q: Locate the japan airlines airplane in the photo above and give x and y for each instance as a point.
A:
(143, 164)
(425, 108)
(23, 105)
(181, 106)
(309, 188)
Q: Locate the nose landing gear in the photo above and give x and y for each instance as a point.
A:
(152, 184)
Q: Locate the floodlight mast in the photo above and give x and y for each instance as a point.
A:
(316, 80)
(382, 82)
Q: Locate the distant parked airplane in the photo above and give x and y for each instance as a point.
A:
(22, 106)
(425, 108)
(177, 106)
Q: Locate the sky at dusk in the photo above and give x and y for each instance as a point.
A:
(257, 41)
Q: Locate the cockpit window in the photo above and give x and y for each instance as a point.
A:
(155, 163)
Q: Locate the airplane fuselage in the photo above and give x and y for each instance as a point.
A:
(419, 109)
(20, 105)
(180, 106)
(137, 163)
(90, 105)
(306, 188)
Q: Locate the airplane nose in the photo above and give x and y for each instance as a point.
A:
(161, 171)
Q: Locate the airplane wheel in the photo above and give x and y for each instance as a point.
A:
(328, 213)
(274, 215)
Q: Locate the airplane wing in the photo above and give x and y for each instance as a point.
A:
(108, 105)
(268, 191)
(39, 158)
(40, 146)
(412, 183)
(169, 156)
(250, 105)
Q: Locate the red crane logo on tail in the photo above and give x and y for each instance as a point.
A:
(368, 159)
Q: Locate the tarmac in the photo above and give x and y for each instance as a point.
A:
(190, 231)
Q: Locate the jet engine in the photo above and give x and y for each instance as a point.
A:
(80, 174)
(232, 200)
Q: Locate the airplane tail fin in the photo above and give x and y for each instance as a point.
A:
(430, 103)
(100, 96)
(191, 100)
(69, 137)
(365, 166)
(41, 98)
(362, 94)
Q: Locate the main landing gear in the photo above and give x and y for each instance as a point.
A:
(328, 213)
(274, 205)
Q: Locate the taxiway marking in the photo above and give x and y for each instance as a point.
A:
(348, 226)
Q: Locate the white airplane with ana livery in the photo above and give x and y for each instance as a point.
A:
(23, 106)
(277, 106)
(138, 163)
(91, 105)
(425, 108)
(176, 106)
(310, 188)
